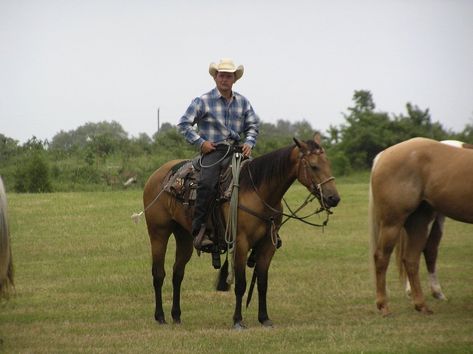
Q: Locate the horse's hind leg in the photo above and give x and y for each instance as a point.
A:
(430, 255)
(384, 247)
(159, 241)
(417, 229)
(183, 254)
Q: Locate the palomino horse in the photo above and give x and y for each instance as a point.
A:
(6, 262)
(410, 183)
(432, 245)
(263, 183)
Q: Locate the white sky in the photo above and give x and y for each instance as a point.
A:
(64, 63)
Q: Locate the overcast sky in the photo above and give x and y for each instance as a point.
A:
(64, 63)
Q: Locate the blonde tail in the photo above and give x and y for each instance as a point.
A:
(373, 223)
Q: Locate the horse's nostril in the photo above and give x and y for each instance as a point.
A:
(334, 200)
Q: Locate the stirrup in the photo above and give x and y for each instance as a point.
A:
(202, 240)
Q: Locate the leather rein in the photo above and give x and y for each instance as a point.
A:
(315, 192)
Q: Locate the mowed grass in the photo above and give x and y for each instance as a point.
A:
(83, 284)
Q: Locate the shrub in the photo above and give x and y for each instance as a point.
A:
(32, 176)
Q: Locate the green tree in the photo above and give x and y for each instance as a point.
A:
(32, 174)
(79, 138)
(8, 148)
(417, 123)
(366, 133)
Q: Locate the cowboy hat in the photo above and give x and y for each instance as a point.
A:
(227, 66)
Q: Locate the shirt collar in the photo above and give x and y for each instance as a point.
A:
(216, 93)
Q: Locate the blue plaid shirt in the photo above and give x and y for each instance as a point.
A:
(219, 121)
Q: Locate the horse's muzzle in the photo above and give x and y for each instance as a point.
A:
(331, 200)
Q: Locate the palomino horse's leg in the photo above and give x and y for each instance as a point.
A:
(240, 282)
(417, 230)
(265, 254)
(386, 242)
(158, 253)
(430, 255)
(183, 255)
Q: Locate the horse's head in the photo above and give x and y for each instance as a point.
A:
(315, 173)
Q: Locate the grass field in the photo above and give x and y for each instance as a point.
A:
(83, 284)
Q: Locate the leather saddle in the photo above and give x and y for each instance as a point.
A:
(183, 178)
(182, 181)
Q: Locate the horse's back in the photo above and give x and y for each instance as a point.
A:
(424, 158)
(422, 169)
(153, 184)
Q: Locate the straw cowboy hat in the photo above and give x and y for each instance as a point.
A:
(227, 66)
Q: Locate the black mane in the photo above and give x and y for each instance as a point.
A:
(265, 168)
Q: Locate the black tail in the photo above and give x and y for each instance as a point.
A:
(222, 284)
(252, 287)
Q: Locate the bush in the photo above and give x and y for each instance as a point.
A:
(32, 176)
(340, 163)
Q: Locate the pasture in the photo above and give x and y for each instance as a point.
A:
(83, 284)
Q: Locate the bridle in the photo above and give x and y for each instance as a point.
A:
(307, 180)
(315, 192)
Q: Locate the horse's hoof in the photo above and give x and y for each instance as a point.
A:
(385, 312)
(439, 295)
(176, 321)
(383, 309)
(160, 320)
(239, 326)
(424, 309)
(267, 323)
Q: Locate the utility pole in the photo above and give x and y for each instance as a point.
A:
(158, 121)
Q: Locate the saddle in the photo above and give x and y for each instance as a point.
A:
(183, 178)
(182, 181)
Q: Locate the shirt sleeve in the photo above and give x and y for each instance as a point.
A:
(187, 121)
(251, 127)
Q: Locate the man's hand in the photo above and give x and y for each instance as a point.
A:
(246, 149)
(207, 147)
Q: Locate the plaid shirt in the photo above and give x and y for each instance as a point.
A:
(219, 121)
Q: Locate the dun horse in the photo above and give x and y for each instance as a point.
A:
(412, 183)
(6, 262)
(432, 245)
(263, 183)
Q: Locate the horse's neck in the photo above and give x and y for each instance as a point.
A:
(273, 192)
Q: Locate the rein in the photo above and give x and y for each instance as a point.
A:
(317, 188)
(320, 196)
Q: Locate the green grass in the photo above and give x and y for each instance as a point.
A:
(83, 284)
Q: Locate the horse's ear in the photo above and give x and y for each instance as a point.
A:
(318, 138)
(301, 145)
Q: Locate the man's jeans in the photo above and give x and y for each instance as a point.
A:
(212, 164)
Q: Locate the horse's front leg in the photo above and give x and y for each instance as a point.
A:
(240, 285)
(265, 254)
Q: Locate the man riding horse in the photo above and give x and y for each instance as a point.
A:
(221, 116)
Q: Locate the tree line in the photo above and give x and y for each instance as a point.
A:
(101, 156)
